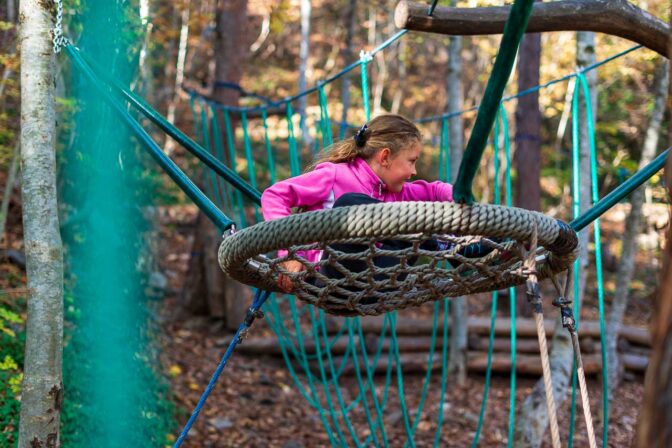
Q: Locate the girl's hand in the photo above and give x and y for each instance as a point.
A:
(284, 281)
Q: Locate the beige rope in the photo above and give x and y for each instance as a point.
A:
(570, 324)
(535, 299)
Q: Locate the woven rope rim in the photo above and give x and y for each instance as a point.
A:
(239, 254)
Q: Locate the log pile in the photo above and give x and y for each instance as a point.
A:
(414, 341)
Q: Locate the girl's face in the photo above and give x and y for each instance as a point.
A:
(400, 167)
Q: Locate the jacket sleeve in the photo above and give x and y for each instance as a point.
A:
(305, 190)
(421, 190)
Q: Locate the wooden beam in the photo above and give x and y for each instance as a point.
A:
(615, 17)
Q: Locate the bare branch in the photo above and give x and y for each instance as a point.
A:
(616, 17)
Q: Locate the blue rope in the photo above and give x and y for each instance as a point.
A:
(252, 313)
(535, 88)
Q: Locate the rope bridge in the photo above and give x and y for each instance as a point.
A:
(526, 247)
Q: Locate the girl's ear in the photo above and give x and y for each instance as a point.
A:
(384, 156)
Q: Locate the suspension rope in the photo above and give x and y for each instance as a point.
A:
(495, 294)
(253, 313)
(534, 298)
(364, 59)
(598, 254)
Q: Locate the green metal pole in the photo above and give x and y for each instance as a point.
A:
(487, 112)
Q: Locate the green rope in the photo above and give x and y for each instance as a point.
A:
(294, 162)
(205, 132)
(444, 371)
(430, 359)
(327, 138)
(400, 381)
(576, 211)
(598, 257)
(362, 387)
(364, 59)
(228, 128)
(512, 291)
(194, 117)
(513, 32)
(267, 143)
(495, 295)
(250, 160)
(225, 188)
(325, 383)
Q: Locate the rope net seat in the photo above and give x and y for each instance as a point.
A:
(353, 282)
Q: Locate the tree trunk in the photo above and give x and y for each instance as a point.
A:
(42, 392)
(655, 421)
(532, 423)
(633, 227)
(9, 189)
(458, 338)
(351, 18)
(304, 53)
(179, 72)
(527, 158)
(145, 81)
(224, 297)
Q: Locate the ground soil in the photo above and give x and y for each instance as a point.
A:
(256, 403)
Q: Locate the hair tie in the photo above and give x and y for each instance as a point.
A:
(360, 138)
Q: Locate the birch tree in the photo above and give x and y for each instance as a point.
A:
(532, 422)
(304, 50)
(633, 225)
(42, 392)
(458, 338)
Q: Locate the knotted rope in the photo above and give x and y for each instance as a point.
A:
(357, 282)
(534, 297)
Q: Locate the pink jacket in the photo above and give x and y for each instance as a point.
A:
(318, 189)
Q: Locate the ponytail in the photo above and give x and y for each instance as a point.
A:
(385, 131)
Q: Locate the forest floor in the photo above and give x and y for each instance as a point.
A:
(257, 404)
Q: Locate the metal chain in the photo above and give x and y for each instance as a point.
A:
(59, 40)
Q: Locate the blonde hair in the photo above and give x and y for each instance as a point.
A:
(385, 131)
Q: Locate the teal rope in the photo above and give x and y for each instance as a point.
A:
(598, 258)
(327, 138)
(225, 188)
(194, 118)
(294, 163)
(250, 159)
(215, 186)
(512, 291)
(430, 359)
(513, 32)
(394, 347)
(267, 143)
(228, 128)
(325, 383)
(362, 387)
(364, 60)
(495, 295)
(576, 211)
(535, 88)
(379, 406)
(444, 371)
(444, 160)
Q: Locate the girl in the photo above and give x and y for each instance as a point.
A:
(373, 166)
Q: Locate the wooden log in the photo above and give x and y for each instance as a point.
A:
(481, 325)
(616, 17)
(415, 363)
